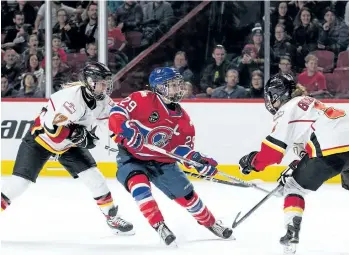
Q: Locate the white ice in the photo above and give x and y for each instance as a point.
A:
(58, 216)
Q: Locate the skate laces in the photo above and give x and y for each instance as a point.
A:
(218, 228)
(118, 221)
(163, 230)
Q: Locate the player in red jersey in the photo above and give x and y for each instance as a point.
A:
(155, 117)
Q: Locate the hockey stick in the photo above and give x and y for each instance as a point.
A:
(194, 163)
(195, 175)
(293, 166)
(238, 222)
(212, 179)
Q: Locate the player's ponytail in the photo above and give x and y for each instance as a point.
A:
(299, 91)
(72, 84)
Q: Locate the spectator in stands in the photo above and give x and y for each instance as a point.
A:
(33, 66)
(257, 40)
(306, 33)
(28, 10)
(280, 16)
(295, 6)
(282, 46)
(76, 19)
(59, 72)
(246, 64)
(231, 89)
(91, 51)
(30, 87)
(88, 31)
(116, 39)
(313, 80)
(57, 48)
(15, 35)
(158, 19)
(188, 90)
(6, 89)
(181, 64)
(257, 89)
(56, 5)
(129, 16)
(213, 75)
(66, 30)
(285, 66)
(334, 34)
(33, 43)
(6, 16)
(9, 67)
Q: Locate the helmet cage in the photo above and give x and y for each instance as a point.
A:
(173, 89)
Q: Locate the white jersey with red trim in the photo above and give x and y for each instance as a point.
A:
(305, 121)
(324, 130)
(66, 107)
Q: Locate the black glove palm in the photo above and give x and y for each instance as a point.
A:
(246, 163)
(82, 138)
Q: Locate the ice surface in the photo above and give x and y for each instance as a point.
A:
(59, 216)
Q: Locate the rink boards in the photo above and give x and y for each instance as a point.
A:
(225, 130)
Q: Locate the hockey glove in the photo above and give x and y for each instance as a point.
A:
(287, 172)
(246, 163)
(134, 138)
(82, 138)
(208, 167)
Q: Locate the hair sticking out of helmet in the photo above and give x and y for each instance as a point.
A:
(278, 91)
(98, 79)
(168, 83)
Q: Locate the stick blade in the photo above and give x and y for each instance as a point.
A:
(235, 223)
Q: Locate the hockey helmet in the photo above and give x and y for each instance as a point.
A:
(167, 82)
(278, 88)
(97, 77)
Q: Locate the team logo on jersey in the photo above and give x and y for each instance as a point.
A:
(159, 136)
(154, 117)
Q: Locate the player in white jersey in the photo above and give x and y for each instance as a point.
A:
(300, 120)
(66, 127)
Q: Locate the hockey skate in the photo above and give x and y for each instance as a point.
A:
(166, 234)
(117, 224)
(219, 230)
(291, 239)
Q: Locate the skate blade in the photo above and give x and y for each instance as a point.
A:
(120, 233)
(290, 249)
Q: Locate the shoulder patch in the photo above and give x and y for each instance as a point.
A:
(154, 117)
(59, 117)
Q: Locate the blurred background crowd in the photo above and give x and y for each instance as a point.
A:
(218, 46)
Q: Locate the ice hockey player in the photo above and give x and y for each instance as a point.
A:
(301, 119)
(155, 117)
(65, 128)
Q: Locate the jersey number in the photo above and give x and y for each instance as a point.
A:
(189, 141)
(131, 105)
(330, 112)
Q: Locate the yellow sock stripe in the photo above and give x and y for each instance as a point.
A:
(293, 209)
(107, 204)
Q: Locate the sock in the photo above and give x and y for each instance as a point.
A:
(294, 205)
(105, 203)
(197, 209)
(5, 202)
(139, 187)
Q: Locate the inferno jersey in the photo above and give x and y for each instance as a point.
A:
(159, 125)
(304, 120)
(66, 107)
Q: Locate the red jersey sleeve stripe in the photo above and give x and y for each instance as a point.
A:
(58, 133)
(53, 105)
